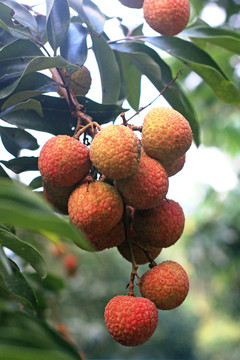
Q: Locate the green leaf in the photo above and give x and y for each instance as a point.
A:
(16, 283)
(74, 48)
(57, 22)
(29, 210)
(109, 69)
(36, 183)
(26, 105)
(3, 173)
(25, 353)
(224, 38)
(21, 164)
(24, 250)
(14, 140)
(90, 13)
(200, 62)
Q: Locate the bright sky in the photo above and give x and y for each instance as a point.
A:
(204, 166)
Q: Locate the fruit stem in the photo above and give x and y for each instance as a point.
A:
(84, 128)
(152, 263)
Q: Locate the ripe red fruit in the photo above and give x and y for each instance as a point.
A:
(70, 262)
(161, 226)
(168, 17)
(173, 167)
(131, 320)
(166, 285)
(64, 161)
(108, 240)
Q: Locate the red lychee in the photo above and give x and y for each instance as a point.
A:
(168, 17)
(70, 262)
(166, 285)
(131, 320)
(147, 187)
(166, 134)
(64, 161)
(172, 168)
(161, 226)
(115, 151)
(95, 207)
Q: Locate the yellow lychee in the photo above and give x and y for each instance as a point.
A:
(95, 207)
(147, 187)
(64, 161)
(166, 134)
(115, 151)
(168, 17)
(137, 4)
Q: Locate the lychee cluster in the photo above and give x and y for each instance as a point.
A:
(168, 17)
(114, 191)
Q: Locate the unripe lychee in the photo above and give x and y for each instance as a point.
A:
(166, 134)
(64, 161)
(57, 196)
(131, 320)
(115, 151)
(161, 226)
(108, 240)
(80, 82)
(95, 208)
(137, 4)
(147, 187)
(138, 252)
(168, 17)
(166, 285)
(172, 168)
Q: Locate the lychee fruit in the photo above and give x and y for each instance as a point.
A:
(80, 82)
(166, 285)
(115, 151)
(131, 320)
(57, 196)
(147, 187)
(70, 262)
(172, 168)
(168, 17)
(137, 4)
(108, 240)
(161, 226)
(138, 251)
(166, 134)
(95, 207)
(64, 161)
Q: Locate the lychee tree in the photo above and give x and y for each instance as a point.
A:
(98, 174)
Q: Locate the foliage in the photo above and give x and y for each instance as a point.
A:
(30, 45)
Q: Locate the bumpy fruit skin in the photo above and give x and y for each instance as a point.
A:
(115, 151)
(139, 255)
(108, 240)
(147, 187)
(172, 168)
(64, 161)
(137, 4)
(166, 134)
(168, 17)
(57, 196)
(166, 285)
(95, 208)
(131, 320)
(161, 226)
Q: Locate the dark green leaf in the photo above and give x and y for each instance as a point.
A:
(74, 47)
(200, 62)
(57, 22)
(90, 13)
(21, 164)
(109, 69)
(42, 23)
(15, 140)
(3, 173)
(24, 250)
(29, 210)
(16, 283)
(30, 104)
(36, 183)
(50, 282)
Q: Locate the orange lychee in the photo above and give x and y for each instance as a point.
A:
(115, 151)
(64, 161)
(147, 187)
(137, 4)
(172, 168)
(131, 320)
(168, 17)
(166, 285)
(70, 262)
(161, 226)
(166, 134)
(95, 207)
